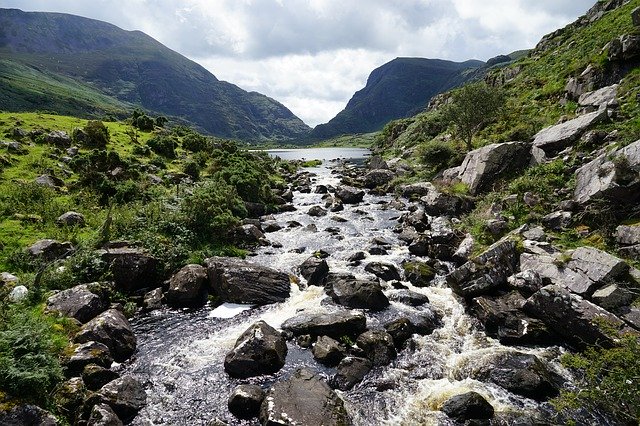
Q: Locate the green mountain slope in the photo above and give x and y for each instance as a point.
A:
(397, 89)
(133, 68)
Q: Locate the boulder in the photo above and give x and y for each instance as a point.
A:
(71, 219)
(59, 138)
(435, 203)
(614, 176)
(125, 395)
(188, 287)
(49, 250)
(24, 414)
(112, 329)
(558, 221)
(317, 211)
(238, 281)
(103, 415)
(419, 189)
(418, 273)
(261, 349)
(132, 269)
(467, 406)
(333, 324)
(77, 302)
(49, 181)
(350, 372)
(408, 297)
(349, 195)
(628, 235)
(485, 272)
(377, 162)
(248, 235)
(303, 399)
(384, 271)
(18, 294)
(612, 297)
(88, 353)
(556, 138)
(378, 177)
(624, 48)
(152, 300)
(328, 351)
(245, 400)
(271, 226)
(526, 282)
(346, 290)
(579, 321)
(482, 167)
(95, 376)
(378, 345)
(314, 270)
(600, 98)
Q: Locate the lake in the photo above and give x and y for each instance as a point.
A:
(325, 154)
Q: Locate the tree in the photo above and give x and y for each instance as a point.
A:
(472, 107)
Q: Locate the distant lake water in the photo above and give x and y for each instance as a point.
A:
(355, 155)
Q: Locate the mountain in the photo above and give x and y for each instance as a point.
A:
(397, 89)
(44, 54)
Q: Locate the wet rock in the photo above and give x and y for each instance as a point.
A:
(328, 351)
(271, 226)
(249, 235)
(384, 271)
(485, 272)
(612, 297)
(132, 269)
(334, 324)
(555, 138)
(71, 219)
(125, 395)
(378, 177)
(346, 290)
(77, 302)
(49, 250)
(314, 270)
(409, 297)
(349, 195)
(317, 211)
(95, 376)
(24, 414)
(49, 181)
(103, 415)
(464, 250)
(303, 399)
(578, 321)
(350, 372)
(153, 299)
(261, 349)
(245, 400)
(321, 189)
(239, 281)
(357, 256)
(467, 406)
(378, 346)
(112, 329)
(378, 251)
(418, 273)
(188, 287)
(482, 167)
(400, 330)
(88, 353)
(613, 175)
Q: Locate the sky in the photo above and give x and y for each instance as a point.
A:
(312, 55)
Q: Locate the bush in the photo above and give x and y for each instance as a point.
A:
(195, 142)
(192, 169)
(96, 135)
(438, 155)
(144, 123)
(164, 145)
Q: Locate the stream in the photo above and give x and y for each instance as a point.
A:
(181, 352)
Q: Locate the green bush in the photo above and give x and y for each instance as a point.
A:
(195, 142)
(438, 155)
(144, 123)
(96, 134)
(192, 169)
(164, 145)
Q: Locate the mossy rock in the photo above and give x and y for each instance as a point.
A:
(420, 274)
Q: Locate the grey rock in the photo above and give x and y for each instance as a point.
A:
(418, 273)
(239, 281)
(245, 400)
(558, 221)
(18, 294)
(612, 297)
(628, 235)
(384, 271)
(555, 138)
(376, 162)
(328, 351)
(77, 302)
(249, 235)
(71, 219)
(153, 299)
(95, 376)
(132, 269)
(535, 234)
(303, 399)
(333, 324)
(419, 189)
(49, 181)
(526, 282)
(88, 353)
(435, 203)
(465, 248)
(113, 330)
(377, 178)
(624, 48)
(49, 250)
(188, 287)
(467, 406)
(103, 415)
(314, 270)
(317, 211)
(349, 195)
(603, 97)
(59, 138)
(409, 297)
(261, 349)
(271, 226)
(24, 414)
(482, 167)
(125, 395)
(346, 290)
(350, 372)
(378, 346)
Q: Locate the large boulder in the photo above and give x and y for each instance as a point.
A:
(132, 269)
(125, 395)
(420, 274)
(350, 372)
(88, 353)
(112, 329)
(378, 177)
(328, 351)
(485, 272)
(245, 400)
(349, 195)
(59, 138)
(419, 189)
(578, 321)
(346, 290)
(378, 345)
(613, 176)
(482, 167)
(303, 399)
(333, 324)
(77, 302)
(314, 270)
(95, 376)
(261, 349)
(436, 203)
(467, 406)
(188, 287)
(555, 138)
(239, 281)
(603, 97)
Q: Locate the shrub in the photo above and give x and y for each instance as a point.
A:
(195, 142)
(144, 123)
(96, 134)
(164, 145)
(192, 169)
(438, 155)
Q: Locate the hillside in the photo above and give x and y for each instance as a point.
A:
(397, 89)
(45, 54)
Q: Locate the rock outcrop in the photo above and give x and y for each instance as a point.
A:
(555, 138)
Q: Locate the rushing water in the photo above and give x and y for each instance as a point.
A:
(180, 353)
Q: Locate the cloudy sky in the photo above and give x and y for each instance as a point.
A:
(312, 55)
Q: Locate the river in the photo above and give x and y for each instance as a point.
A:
(181, 352)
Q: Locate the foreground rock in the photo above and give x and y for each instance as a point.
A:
(77, 302)
(384, 271)
(21, 415)
(350, 195)
(314, 270)
(103, 415)
(378, 177)
(239, 281)
(112, 329)
(350, 372)
(188, 287)
(336, 324)
(328, 351)
(261, 349)
(125, 396)
(304, 399)
(378, 345)
(467, 406)
(346, 290)
(245, 400)
(132, 269)
(556, 138)
(88, 353)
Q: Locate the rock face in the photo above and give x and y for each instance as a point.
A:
(125, 396)
(467, 406)
(336, 324)
(579, 321)
(239, 281)
(350, 372)
(261, 349)
(481, 167)
(77, 302)
(245, 400)
(485, 272)
(556, 138)
(304, 399)
(346, 290)
(314, 270)
(188, 287)
(350, 195)
(132, 269)
(614, 175)
(112, 329)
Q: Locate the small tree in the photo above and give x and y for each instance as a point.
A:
(472, 107)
